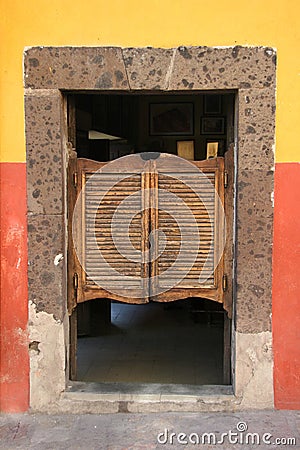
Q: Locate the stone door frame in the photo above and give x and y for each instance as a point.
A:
(50, 72)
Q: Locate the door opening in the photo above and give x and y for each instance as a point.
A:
(106, 127)
(167, 343)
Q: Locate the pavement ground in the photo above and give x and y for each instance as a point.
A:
(238, 430)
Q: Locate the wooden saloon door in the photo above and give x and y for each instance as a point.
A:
(159, 203)
(108, 257)
(189, 262)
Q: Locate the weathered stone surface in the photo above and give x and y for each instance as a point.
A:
(75, 68)
(47, 360)
(251, 71)
(148, 68)
(254, 251)
(223, 68)
(44, 153)
(45, 274)
(254, 370)
(256, 128)
(170, 430)
(189, 68)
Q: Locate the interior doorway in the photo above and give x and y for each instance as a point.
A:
(105, 127)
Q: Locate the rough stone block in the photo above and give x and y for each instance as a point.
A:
(148, 68)
(75, 68)
(254, 251)
(45, 259)
(223, 68)
(256, 121)
(44, 153)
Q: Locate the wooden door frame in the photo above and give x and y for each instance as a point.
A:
(224, 178)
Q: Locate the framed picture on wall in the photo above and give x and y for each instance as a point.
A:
(171, 119)
(212, 104)
(220, 146)
(212, 125)
(185, 149)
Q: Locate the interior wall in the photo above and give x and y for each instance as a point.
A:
(148, 142)
(128, 118)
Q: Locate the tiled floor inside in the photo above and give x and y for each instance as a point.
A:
(154, 343)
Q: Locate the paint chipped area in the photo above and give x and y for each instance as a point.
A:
(13, 342)
(58, 258)
(12, 243)
(272, 199)
(47, 356)
(254, 369)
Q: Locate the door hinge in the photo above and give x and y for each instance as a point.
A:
(75, 179)
(225, 283)
(75, 284)
(225, 179)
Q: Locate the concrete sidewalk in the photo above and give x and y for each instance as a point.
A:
(241, 430)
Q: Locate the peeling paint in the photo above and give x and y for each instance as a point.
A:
(47, 362)
(58, 258)
(170, 70)
(34, 346)
(273, 150)
(254, 369)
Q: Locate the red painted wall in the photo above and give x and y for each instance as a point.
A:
(286, 286)
(14, 359)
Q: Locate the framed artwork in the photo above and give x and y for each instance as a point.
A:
(210, 149)
(185, 149)
(168, 119)
(212, 104)
(212, 125)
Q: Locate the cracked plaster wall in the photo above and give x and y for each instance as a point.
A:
(47, 358)
(254, 367)
(251, 72)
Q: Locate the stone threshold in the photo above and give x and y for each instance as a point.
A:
(100, 398)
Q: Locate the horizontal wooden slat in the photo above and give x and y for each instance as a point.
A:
(102, 197)
(196, 218)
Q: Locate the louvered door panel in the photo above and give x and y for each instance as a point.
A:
(101, 235)
(189, 261)
(180, 211)
(113, 235)
(202, 212)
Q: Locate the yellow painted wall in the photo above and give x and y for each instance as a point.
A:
(157, 23)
